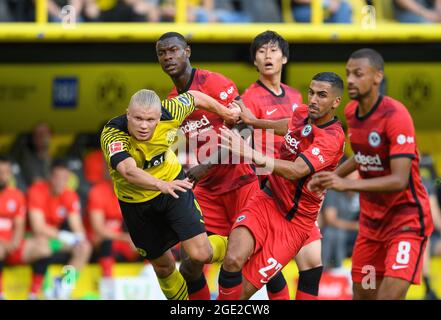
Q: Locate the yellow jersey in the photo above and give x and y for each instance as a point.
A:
(153, 156)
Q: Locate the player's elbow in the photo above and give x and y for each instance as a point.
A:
(400, 183)
(292, 174)
(295, 172)
(126, 171)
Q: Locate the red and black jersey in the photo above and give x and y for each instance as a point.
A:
(321, 147)
(265, 104)
(12, 205)
(204, 126)
(56, 208)
(385, 133)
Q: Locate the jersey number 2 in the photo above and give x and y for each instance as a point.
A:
(273, 264)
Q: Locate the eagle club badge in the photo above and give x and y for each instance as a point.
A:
(306, 130)
(374, 139)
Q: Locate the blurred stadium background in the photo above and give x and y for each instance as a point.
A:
(75, 73)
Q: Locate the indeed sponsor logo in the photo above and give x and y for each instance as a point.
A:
(367, 160)
(195, 125)
(293, 142)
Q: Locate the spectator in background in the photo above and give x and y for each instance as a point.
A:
(34, 157)
(336, 11)
(55, 7)
(54, 213)
(5, 15)
(21, 10)
(417, 11)
(340, 215)
(263, 10)
(15, 248)
(223, 11)
(121, 10)
(107, 230)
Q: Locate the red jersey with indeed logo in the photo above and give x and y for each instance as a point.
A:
(56, 208)
(266, 105)
(321, 147)
(12, 205)
(102, 198)
(385, 133)
(204, 126)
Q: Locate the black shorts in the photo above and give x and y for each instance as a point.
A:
(158, 224)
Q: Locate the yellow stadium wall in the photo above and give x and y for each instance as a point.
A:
(104, 90)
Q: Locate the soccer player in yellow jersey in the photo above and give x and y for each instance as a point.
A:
(156, 199)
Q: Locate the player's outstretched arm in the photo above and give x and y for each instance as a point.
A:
(346, 167)
(290, 170)
(398, 180)
(18, 233)
(280, 127)
(342, 171)
(128, 169)
(38, 224)
(207, 103)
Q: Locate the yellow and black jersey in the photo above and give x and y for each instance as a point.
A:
(154, 155)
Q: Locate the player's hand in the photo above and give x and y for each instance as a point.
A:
(314, 185)
(230, 116)
(10, 246)
(334, 6)
(246, 115)
(330, 180)
(432, 16)
(197, 173)
(231, 140)
(175, 185)
(69, 238)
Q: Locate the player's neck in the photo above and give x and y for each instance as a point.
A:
(272, 83)
(181, 82)
(324, 120)
(367, 103)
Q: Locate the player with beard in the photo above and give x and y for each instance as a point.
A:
(395, 218)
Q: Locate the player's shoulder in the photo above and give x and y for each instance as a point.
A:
(211, 75)
(392, 105)
(248, 90)
(69, 195)
(252, 91)
(216, 85)
(290, 90)
(300, 114)
(334, 129)
(119, 123)
(173, 93)
(98, 188)
(168, 106)
(40, 187)
(302, 109)
(14, 193)
(350, 108)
